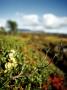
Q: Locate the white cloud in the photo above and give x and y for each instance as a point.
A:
(30, 20)
(47, 22)
(54, 22)
(2, 22)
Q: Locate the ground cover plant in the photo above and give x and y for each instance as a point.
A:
(23, 66)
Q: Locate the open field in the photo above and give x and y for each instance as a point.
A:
(27, 61)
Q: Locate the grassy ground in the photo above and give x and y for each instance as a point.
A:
(33, 67)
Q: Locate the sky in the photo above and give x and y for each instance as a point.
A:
(42, 15)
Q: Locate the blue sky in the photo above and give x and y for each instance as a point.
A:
(58, 7)
(35, 14)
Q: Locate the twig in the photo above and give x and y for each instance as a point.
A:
(17, 76)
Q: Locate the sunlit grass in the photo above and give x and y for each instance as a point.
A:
(30, 61)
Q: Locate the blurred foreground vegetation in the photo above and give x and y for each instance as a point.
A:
(28, 61)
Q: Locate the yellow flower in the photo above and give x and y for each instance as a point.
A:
(8, 66)
(5, 71)
(14, 64)
(12, 60)
(11, 55)
(12, 51)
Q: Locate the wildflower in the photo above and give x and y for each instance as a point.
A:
(8, 66)
(12, 60)
(11, 57)
(12, 51)
(11, 54)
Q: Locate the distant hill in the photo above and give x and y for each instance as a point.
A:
(30, 31)
(24, 30)
(41, 32)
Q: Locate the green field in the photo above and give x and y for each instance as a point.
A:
(23, 63)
